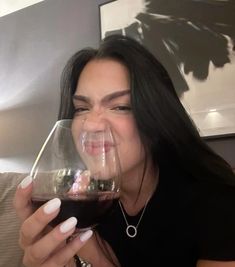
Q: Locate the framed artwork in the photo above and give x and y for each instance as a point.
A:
(195, 41)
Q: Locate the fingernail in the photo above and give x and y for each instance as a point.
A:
(52, 205)
(26, 182)
(68, 225)
(85, 236)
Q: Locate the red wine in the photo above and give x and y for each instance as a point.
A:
(88, 212)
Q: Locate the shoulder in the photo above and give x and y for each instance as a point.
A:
(205, 212)
(213, 220)
(213, 199)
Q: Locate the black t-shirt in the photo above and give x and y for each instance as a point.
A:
(183, 222)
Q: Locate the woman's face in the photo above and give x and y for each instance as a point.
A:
(102, 99)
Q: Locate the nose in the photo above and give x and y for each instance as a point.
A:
(94, 122)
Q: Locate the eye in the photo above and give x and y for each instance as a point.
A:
(80, 110)
(122, 108)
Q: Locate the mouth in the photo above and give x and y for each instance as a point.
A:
(94, 148)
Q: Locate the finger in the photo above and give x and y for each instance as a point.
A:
(46, 246)
(36, 223)
(50, 242)
(22, 198)
(64, 255)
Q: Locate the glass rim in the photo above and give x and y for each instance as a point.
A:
(60, 124)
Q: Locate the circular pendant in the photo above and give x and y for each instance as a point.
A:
(131, 231)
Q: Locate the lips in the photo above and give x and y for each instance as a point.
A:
(95, 148)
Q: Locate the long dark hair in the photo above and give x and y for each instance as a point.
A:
(163, 124)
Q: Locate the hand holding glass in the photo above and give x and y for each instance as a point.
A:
(82, 169)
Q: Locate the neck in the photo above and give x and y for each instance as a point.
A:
(137, 188)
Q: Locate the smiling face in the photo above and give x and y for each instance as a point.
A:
(102, 99)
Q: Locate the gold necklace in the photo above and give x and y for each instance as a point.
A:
(130, 227)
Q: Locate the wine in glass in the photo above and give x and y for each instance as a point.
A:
(82, 169)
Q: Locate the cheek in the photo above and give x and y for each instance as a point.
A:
(130, 148)
(128, 133)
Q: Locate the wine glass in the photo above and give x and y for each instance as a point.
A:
(82, 169)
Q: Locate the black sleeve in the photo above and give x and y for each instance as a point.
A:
(214, 222)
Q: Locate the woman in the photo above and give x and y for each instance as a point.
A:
(177, 199)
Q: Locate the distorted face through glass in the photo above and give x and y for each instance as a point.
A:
(101, 101)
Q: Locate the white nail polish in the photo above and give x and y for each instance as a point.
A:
(68, 225)
(52, 205)
(26, 182)
(85, 236)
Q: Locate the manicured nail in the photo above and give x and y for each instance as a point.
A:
(68, 225)
(85, 236)
(52, 205)
(26, 182)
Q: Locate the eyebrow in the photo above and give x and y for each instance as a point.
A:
(105, 99)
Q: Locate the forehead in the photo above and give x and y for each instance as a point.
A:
(103, 76)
